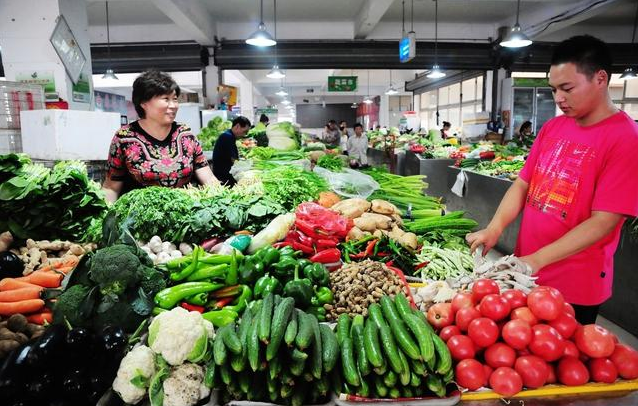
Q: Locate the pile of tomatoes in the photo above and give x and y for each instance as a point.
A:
(510, 340)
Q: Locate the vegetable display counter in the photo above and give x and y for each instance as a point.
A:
(378, 157)
(482, 196)
(435, 171)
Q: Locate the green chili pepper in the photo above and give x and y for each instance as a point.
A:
(158, 310)
(220, 318)
(187, 271)
(300, 290)
(168, 298)
(324, 295)
(216, 259)
(317, 273)
(318, 311)
(232, 275)
(265, 285)
(241, 302)
(208, 272)
(228, 291)
(199, 299)
(284, 269)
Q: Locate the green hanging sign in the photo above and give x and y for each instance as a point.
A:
(531, 82)
(342, 83)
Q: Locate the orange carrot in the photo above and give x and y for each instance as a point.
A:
(41, 318)
(23, 306)
(41, 278)
(13, 283)
(17, 295)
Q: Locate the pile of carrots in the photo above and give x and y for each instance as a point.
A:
(23, 295)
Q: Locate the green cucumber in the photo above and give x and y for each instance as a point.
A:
(417, 367)
(265, 318)
(316, 363)
(387, 339)
(280, 319)
(219, 349)
(394, 393)
(401, 334)
(224, 372)
(444, 363)
(291, 329)
(434, 384)
(415, 379)
(274, 367)
(447, 378)
(304, 331)
(323, 385)
(286, 391)
(364, 388)
(372, 345)
(231, 340)
(404, 375)
(357, 338)
(343, 327)
(238, 362)
(390, 379)
(298, 355)
(422, 334)
(330, 347)
(380, 387)
(244, 382)
(407, 392)
(253, 346)
(402, 305)
(297, 367)
(348, 365)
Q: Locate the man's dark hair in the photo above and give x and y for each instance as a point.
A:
(343, 122)
(242, 121)
(149, 84)
(357, 125)
(588, 53)
(331, 122)
(263, 118)
(527, 124)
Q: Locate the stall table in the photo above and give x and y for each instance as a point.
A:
(378, 157)
(434, 170)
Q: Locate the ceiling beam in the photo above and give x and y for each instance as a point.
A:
(369, 16)
(192, 16)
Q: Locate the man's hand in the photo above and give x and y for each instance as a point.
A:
(487, 237)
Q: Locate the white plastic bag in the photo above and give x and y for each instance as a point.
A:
(348, 183)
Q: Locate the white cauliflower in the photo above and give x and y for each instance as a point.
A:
(185, 386)
(179, 335)
(138, 362)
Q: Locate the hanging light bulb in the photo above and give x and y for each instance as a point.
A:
(628, 74)
(108, 74)
(354, 105)
(368, 100)
(436, 72)
(285, 102)
(282, 92)
(276, 73)
(261, 37)
(391, 90)
(516, 37)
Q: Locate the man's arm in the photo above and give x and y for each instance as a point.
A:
(112, 189)
(587, 233)
(508, 209)
(205, 176)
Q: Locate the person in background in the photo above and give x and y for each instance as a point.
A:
(263, 119)
(343, 127)
(358, 148)
(154, 150)
(445, 131)
(525, 136)
(331, 135)
(225, 151)
(578, 184)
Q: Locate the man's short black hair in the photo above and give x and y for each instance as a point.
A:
(263, 118)
(588, 53)
(331, 122)
(358, 125)
(149, 84)
(343, 121)
(242, 121)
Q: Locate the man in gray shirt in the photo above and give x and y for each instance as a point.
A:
(331, 134)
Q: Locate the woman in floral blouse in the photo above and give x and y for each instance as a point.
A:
(154, 150)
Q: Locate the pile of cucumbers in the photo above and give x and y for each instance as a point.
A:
(393, 353)
(276, 353)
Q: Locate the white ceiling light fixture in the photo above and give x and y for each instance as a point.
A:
(261, 37)
(516, 37)
(391, 90)
(285, 102)
(108, 74)
(282, 91)
(629, 73)
(436, 72)
(275, 72)
(367, 99)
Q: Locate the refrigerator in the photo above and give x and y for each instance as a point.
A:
(535, 104)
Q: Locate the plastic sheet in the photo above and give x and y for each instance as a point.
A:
(349, 183)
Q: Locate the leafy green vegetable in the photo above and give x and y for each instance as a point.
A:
(209, 134)
(330, 162)
(290, 185)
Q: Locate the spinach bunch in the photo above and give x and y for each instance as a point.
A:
(290, 185)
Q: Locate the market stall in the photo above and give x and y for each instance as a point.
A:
(434, 170)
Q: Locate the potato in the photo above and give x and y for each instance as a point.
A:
(17, 323)
(21, 338)
(8, 345)
(355, 233)
(396, 233)
(365, 224)
(397, 219)
(381, 221)
(383, 207)
(6, 334)
(352, 208)
(31, 329)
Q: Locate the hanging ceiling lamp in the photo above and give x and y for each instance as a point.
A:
(367, 99)
(261, 37)
(275, 72)
(516, 37)
(108, 74)
(285, 102)
(391, 90)
(436, 72)
(282, 91)
(629, 73)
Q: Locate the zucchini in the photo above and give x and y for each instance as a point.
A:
(371, 343)
(357, 339)
(397, 325)
(330, 348)
(304, 331)
(291, 329)
(277, 329)
(387, 339)
(348, 365)
(422, 334)
(265, 317)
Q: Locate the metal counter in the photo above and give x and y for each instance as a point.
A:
(377, 157)
(435, 171)
(482, 197)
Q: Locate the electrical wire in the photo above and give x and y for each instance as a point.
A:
(436, 31)
(403, 18)
(564, 16)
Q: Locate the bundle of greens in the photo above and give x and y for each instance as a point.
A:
(403, 191)
(268, 153)
(330, 162)
(258, 133)
(290, 185)
(209, 134)
(46, 204)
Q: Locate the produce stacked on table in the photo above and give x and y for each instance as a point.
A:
(276, 353)
(213, 129)
(393, 353)
(510, 340)
(45, 255)
(16, 330)
(383, 249)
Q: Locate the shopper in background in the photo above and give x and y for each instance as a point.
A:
(358, 148)
(154, 150)
(331, 135)
(578, 185)
(263, 119)
(445, 131)
(343, 127)
(225, 151)
(525, 136)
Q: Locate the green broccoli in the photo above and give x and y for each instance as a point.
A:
(152, 280)
(70, 306)
(115, 268)
(121, 314)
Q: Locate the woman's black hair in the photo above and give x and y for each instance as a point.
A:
(149, 84)
(263, 118)
(447, 124)
(525, 125)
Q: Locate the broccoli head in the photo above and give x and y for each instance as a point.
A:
(151, 280)
(115, 268)
(73, 307)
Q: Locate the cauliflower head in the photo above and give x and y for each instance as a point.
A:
(137, 366)
(179, 335)
(185, 386)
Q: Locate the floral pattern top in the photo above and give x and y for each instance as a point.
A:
(138, 159)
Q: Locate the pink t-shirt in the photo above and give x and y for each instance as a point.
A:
(572, 171)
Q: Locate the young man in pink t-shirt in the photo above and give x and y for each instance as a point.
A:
(578, 184)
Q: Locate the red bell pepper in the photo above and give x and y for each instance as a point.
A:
(328, 256)
(303, 238)
(303, 248)
(486, 155)
(192, 308)
(326, 243)
(389, 263)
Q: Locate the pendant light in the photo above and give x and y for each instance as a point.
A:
(261, 37)
(275, 72)
(368, 100)
(391, 90)
(436, 72)
(108, 74)
(630, 73)
(282, 91)
(516, 37)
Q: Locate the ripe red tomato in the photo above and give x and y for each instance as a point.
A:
(626, 360)
(546, 342)
(572, 372)
(461, 347)
(464, 316)
(469, 373)
(495, 307)
(567, 308)
(545, 302)
(461, 300)
(523, 352)
(517, 334)
(533, 370)
(440, 315)
(515, 298)
(482, 288)
(551, 374)
(506, 382)
(500, 355)
(565, 325)
(483, 332)
(488, 372)
(603, 370)
(525, 314)
(594, 341)
(571, 349)
(449, 331)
